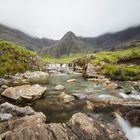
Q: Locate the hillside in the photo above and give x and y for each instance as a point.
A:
(23, 39)
(14, 58)
(113, 40)
(119, 65)
(69, 44)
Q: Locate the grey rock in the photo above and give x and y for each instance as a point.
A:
(25, 92)
(59, 87)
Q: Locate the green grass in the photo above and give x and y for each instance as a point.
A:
(113, 69)
(62, 59)
(14, 58)
(112, 57)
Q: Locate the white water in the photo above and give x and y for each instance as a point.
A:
(134, 96)
(132, 133)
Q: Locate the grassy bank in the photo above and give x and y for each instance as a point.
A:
(119, 65)
(15, 58)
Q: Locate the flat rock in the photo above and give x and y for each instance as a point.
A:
(71, 80)
(25, 92)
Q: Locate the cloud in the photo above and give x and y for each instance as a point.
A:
(53, 18)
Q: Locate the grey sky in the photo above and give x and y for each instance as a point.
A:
(53, 18)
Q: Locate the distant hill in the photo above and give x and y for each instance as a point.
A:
(14, 58)
(23, 39)
(69, 44)
(113, 40)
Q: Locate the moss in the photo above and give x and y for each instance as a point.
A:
(14, 58)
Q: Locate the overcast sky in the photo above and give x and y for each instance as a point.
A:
(53, 18)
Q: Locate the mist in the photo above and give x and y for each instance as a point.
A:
(53, 18)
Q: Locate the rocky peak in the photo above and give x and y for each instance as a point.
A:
(69, 36)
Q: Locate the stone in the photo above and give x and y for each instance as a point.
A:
(25, 92)
(88, 106)
(111, 85)
(59, 87)
(15, 110)
(128, 108)
(4, 86)
(89, 71)
(79, 127)
(79, 95)
(71, 80)
(66, 98)
(5, 116)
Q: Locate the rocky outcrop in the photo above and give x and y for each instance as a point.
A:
(32, 126)
(130, 108)
(25, 92)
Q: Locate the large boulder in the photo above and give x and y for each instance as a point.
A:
(90, 71)
(25, 92)
(32, 127)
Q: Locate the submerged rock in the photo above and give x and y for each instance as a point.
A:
(71, 80)
(25, 92)
(66, 98)
(59, 87)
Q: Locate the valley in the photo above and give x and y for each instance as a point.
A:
(69, 89)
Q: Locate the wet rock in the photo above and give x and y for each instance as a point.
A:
(4, 86)
(66, 98)
(5, 116)
(30, 75)
(15, 110)
(25, 92)
(3, 81)
(88, 106)
(71, 80)
(129, 108)
(33, 127)
(59, 87)
(111, 85)
(90, 71)
(79, 95)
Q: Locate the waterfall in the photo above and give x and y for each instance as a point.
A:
(132, 133)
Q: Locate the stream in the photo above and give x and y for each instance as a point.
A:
(57, 111)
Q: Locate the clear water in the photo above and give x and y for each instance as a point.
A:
(58, 111)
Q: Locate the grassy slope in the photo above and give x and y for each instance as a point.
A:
(117, 71)
(14, 58)
(62, 59)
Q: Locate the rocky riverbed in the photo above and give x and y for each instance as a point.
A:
(72, 107)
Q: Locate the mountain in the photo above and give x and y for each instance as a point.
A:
(69, 44)
(113, 40)
(23, 39)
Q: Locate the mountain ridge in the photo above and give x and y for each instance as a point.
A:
(23, 39)
(68, 44)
